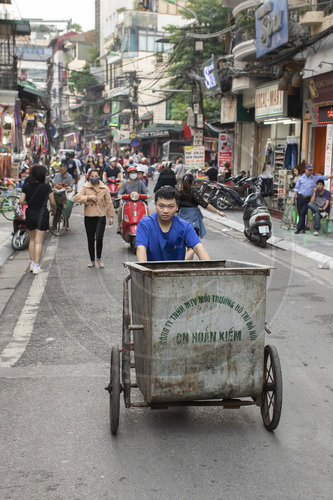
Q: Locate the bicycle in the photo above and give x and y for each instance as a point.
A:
(59, 222)
(9, 203)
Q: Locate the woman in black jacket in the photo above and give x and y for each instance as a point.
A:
(167, 176)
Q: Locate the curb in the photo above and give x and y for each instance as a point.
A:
(324, 261)
(6, 251)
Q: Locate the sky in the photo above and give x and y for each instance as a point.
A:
(80, 11)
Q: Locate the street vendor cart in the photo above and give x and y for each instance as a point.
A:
(194, 335)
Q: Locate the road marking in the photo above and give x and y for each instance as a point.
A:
(25, 323)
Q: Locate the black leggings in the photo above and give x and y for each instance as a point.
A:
(95, 227)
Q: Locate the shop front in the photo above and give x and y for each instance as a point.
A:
(278, 124)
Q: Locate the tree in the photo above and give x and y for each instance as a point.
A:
(184, 66)
(81, 80)
(74, 27)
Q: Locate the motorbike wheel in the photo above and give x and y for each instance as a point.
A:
(221, 202)
(248, 235)
(132, 244)
(263, 241)
(20, 240)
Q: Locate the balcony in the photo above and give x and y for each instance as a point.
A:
(245, 43)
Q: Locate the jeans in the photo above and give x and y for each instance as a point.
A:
(290, 159)
(317, 215)
(95, 227)
(302, 209)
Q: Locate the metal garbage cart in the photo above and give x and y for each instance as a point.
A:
(194, 332)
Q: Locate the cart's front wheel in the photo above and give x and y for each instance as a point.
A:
(271, 397)
(114, 389)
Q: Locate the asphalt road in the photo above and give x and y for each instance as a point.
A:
(55, 435)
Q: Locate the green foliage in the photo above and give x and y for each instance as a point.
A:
(184, 63)
(93, 56)
(74, 27)
(82, 80)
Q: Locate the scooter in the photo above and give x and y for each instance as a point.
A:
(113, 186)
(133, 210)
(257, 220)
(20, 239)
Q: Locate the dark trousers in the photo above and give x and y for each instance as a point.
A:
(302, 209)
(95, 227)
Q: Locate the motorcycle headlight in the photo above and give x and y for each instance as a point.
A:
(134, 196)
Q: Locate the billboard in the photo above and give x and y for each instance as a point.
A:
(271, 26)
(225, 149)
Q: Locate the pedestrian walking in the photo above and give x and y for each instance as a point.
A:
(97, 206)
(179, 171)
(167, 176)
(303, 192)
(36, 194)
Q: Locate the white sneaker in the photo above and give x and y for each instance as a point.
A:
(91, 264)
(31, 267)
(37, 269)
(324, 214)
(100, 264)
(315, 233)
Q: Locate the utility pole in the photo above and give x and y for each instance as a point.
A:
(134, 96)
(197, 98)
(48, 111)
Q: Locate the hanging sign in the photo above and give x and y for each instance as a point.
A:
(270, 102)
(271, 26)
(211, 82)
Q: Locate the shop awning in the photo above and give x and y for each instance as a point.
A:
(159, 130)
(118, 92)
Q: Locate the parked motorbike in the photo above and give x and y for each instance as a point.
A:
(20, 239)
(133, 210)
(257, 219)
(113, 186)
(219, 195)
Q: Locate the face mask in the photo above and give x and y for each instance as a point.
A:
(133, 176)
(94, 180)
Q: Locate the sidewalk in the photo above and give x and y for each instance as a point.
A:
(6, 250)
(318, 248)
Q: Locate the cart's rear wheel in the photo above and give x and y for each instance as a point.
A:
(271, 397)
(114, 389)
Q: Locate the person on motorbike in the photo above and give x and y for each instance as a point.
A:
(113, 170)
(165, 236)
(143, 165)
(167, 176)
(133, 184)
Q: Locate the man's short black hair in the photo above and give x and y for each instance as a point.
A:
(167, 193)
(320, 181)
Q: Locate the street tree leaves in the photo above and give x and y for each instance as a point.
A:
(82, 80)
(184, 63)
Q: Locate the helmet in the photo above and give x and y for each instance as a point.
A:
(139, 169)
(114, 158)
(132, 168)
(144, 160)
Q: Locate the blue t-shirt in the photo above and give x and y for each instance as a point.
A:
(165, 246)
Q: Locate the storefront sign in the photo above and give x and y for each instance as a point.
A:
(325, 115)
(194, 157)
(271, 26)
(211, 78)
(153, 133)
(328, 156)
(270, 102)
(225, 149)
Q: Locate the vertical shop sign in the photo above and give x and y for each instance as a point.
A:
(271, 26)
(328, 154)
(225, 149)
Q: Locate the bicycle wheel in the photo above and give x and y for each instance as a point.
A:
(58, 225)
(8, 206)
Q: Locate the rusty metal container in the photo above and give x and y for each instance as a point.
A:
(204, 329)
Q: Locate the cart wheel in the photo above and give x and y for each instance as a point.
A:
(114, 389)
(271, 397)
